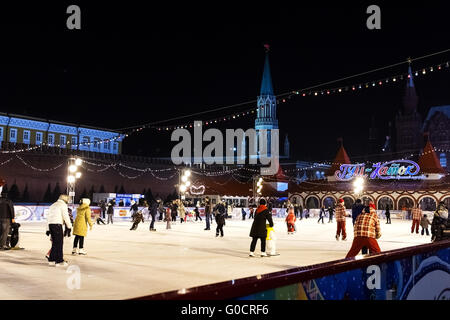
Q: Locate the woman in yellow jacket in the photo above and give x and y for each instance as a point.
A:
(80, 225)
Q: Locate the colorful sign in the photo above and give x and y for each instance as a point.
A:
(396, 169)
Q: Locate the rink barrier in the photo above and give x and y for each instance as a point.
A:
(414, 273)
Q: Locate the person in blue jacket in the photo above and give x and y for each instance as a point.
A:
(357, 209)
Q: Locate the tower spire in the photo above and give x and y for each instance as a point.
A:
(410, 100)
(266, 83)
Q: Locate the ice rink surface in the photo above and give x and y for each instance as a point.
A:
(125, 264)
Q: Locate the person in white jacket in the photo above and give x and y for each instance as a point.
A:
(58, 215)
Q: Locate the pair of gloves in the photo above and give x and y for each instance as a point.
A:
(67, 232)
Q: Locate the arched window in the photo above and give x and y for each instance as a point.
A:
(443, 160)
(329, 202)
(405, 203)
(428, 204)
(348, 202)
(312, 202)
(447, 202)
(384, 202)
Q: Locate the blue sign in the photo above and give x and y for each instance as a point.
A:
(396, 169)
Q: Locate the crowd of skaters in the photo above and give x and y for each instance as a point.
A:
(365, 220)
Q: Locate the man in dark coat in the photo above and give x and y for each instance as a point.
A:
(7, 216)
(440, 224)
(258, 230)
(220, 218)
(330, 214)
(110, 211)
(357, 209)
(153, 211)
(207, 213)
(388, 215)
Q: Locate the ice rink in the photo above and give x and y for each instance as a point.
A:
(126, 264)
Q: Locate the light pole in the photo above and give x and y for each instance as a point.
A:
(72, 175)
(358, 186)
(184, 183)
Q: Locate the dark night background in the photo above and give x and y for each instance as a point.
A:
(133, 64)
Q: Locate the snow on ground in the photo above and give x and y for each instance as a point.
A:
(126, 264)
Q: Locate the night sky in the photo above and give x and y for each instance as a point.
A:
(133, 64)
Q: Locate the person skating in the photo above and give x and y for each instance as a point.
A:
(341, 216)
(174, 211)
(416, 218)
(58, 215)
(103, 209)
(207, 213)
(357, 209)
(366, 232)
(290, 220)
(7, 216)
(161, 210)
(300, 211)
(321, 214)
(440, 223)
(220, 219)
(110, 211)
(68, 230)
(168, 216)
(252, 211)
(99, 219)
(137, 217)
(271, 241)
(153, 211)
(330, 214)
(181, 211)
(388, 215)
(197, 212)
(243, 213)
(258, 230)
(424, 223)
(82, 220)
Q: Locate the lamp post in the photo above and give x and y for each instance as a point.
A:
(259, 185)
(184, 182)
(72, 175)
(358, 186)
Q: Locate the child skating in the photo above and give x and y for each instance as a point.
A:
(290, 220)
(271, 241)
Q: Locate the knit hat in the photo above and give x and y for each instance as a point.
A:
(86, 201)
(341, 200)
(372, 205)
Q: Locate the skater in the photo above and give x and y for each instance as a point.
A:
(82, 219)
(440, 223)
(258, 230)
(341, 215)
(207, 213)
(197, 213)
(388, 215)
(357, 209)
(271, 241)
(321, 214)
(168, 216)
(174, 211)
(220, 219)
(7, 216)
(295, 211)
(153, 210)
(300, 211)
(290, 220)
(110, 211)
(416, 218)
(99, 219)
(137, 217)
(366, 232)
(66, 229)
(103, 208)
(252, 210)
(330, 214)
(13, 237)
(181, 211)
(424, 223)
(56, 217)
(161, 210)
(243, 213)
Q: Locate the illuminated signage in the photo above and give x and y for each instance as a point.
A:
(396, 169)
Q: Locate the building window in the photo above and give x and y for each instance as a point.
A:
(74, 142)
(1, 133)
(443, 160)
(62, 141)
(13, 135)
(106, 145)
(96, 143)
(26, 136)
(51, 139)
(116, 147)
(85, 141)
(38, 137)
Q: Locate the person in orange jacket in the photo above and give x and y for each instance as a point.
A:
(290, 220)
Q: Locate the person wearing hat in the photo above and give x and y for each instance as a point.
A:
(207, 213)
(82, 219)
(366, 231)
(58, 214)
(7, 216)
(341, 215)
(259, 230)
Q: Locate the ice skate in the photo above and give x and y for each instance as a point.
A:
(263, 254)
(251, 254)
(51, 263)
(62, 264)
(337, 237)
(82, 252)
(75, 251)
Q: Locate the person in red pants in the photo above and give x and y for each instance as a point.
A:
(416, 216)
(366, 232)
(340, 219)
